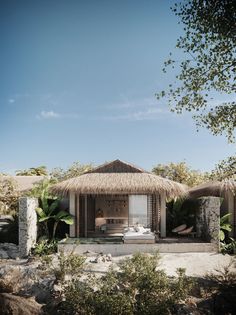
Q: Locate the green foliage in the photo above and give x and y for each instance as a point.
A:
(222, 287)
(48, 210)
(226, 169)
(225, 226)
(137, 288)
(181, 211)
(42, 188)
(227, 244)
(180, 172)
(68, 265)
(33, 171)
(76, 169)
(44, 247)
(225, 278)
(229, 247)
(8, 196)
(209, 66)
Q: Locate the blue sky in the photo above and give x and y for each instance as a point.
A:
(78, 82)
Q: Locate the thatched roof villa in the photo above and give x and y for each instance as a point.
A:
(226, 189)
(115, 195)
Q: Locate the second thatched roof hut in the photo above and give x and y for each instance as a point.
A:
(225, 189)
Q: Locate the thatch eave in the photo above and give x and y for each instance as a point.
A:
(119, 183)
(213, 188)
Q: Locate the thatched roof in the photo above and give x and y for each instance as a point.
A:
(118, 177)
(214, 188)
(22, 183)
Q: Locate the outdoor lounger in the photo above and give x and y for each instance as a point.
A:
(179, 228)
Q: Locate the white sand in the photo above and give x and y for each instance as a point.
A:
(196, 264)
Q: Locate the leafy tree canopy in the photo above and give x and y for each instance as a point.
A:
(8, 196)
(226, 169)
(180, 172)
(209, 43)
(33, 171)
(74, 170)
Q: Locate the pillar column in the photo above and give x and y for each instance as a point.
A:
(27, 225)
(72, 212)
(163, 214)
(77, 216)
(231, 211)
(85, 216)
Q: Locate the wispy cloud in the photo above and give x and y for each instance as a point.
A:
(138, 103)
(149, 114)
(54, 115)
(136, 110)
(11, 100)
(48, 115)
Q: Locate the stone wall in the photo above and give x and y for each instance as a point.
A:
(208, 219)
(27, 225)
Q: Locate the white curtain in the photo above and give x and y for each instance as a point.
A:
(138, 213)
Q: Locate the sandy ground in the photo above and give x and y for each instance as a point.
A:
(196, 264)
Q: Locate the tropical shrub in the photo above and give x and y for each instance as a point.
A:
(227, 244)
(137, 288)
(223, 289)
(48, 210)
(181, 211)
(44, 247)
(225, 226)
(69, 264)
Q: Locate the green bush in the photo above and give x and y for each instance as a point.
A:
(137, 288)
(70, 265)
(44, 247)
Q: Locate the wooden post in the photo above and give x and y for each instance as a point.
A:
(72, 212)
(77, 217)
(231, 207)
(163, 214)
(85, 216)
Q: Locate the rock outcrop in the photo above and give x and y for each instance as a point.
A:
(18, 305)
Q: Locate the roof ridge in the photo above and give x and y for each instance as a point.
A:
(105, 166)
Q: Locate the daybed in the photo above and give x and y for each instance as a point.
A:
(138, 235)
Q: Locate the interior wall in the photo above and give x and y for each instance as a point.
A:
(111, 206)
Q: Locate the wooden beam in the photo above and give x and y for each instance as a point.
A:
(163, 214)
(77, 216)
(85, 216)
(72, 212)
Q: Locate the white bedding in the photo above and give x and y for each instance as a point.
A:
(137, 233)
